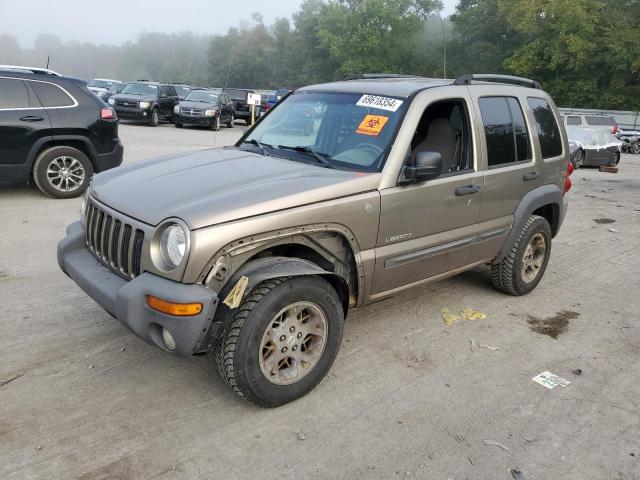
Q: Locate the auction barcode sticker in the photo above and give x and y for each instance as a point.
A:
(382, 103)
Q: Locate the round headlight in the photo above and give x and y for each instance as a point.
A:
(173, 245)
(111, 101)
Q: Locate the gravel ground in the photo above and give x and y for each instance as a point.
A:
(408, 398)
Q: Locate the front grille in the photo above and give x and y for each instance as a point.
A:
(192, 112)
(114, 242)
(126, 103)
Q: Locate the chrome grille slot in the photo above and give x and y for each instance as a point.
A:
(114, 242)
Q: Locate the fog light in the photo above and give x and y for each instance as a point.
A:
(169, 342)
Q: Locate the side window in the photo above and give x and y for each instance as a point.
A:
(547, 128)
(600, 121)
(445, 128)
(573, 120)
(505, 130)
(171, 92)
(13, 94)
(164, 91)
(51, 95)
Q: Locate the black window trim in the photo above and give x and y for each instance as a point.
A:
(27, 80)
(518, 163)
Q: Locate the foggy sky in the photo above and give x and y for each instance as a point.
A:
(116, 21)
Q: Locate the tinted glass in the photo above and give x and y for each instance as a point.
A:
(574, 121)
(547, 127)
(498, 130)
(600, 120)
(13, 94)
(51, 95)
(140, 89)
(202, 96)
(523, 145)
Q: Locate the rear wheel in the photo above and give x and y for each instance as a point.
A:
(635, 148)
(524, 266)
(62, 172)
(282, 340)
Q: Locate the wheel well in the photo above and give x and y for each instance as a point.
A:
(77, 144)
(345, 278)
(551, 212)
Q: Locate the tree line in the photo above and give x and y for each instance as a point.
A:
(586, 53)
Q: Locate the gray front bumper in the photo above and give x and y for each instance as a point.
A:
(126, 300)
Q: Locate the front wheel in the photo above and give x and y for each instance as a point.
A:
(232, 121)
(282, 340)
(154, 119)
(635, 148)
(523, 267)
(216, 124)
(579, 159)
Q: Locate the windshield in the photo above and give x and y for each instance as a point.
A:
(202, 96)
(100, 84)
(350, 130)
(182, 90)
(140, 89)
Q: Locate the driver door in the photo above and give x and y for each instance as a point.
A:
(428, 229)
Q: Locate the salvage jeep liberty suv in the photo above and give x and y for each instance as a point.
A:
(256, 252)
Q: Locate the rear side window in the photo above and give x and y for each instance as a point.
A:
(505, 130)
(574, 121)
(600, 120)
(13, 94)
(51, 95)
(547, 127)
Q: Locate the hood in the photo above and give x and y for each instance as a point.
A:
(214, 186)
(199, 105)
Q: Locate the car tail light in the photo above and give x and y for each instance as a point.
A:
(267, 107)
(567, 180)
(107, 113)
(615, 128)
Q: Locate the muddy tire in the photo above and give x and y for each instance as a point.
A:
(282, 340)
(62, 172)
(524, 266)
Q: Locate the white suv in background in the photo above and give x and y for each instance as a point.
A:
(596, 122)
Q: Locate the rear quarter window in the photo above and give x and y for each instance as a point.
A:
(546, 127)
(574, 120)
(51, 95)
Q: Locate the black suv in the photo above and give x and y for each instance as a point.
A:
(54, 130)
(239, 97)
(205, 107)
(146, 102)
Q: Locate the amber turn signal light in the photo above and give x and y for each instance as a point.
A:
(175, 309)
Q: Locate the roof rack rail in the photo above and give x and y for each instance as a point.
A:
(467, 79)
(35, 70)
(373, 76)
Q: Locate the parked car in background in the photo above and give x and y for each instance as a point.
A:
(257, 252)
(105, 88)
(54, 131)
(277, 95)
(205, 107)
(144, 101)
(264, 98)
(597, 122)
(595, 148)
(239, 97)
(183, 90)
(630, 141)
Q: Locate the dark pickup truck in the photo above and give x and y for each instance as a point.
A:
(243, 109)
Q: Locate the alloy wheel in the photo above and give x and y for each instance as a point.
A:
(65, 174)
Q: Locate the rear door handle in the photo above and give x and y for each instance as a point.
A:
(531, 176)
(467, 190)
(31, 118)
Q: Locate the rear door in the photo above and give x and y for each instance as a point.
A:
(22, 122)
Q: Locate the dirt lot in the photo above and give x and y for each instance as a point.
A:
(407, 398)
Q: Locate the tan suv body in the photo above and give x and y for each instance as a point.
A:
(355, 191)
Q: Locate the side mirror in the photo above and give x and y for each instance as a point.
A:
(427, 166)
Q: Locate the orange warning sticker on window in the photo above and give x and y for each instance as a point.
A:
(372, 125)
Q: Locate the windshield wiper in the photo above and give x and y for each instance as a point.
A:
(261, 146)
(321, 158)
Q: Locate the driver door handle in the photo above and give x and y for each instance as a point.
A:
(31, 118)
(467, 190)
